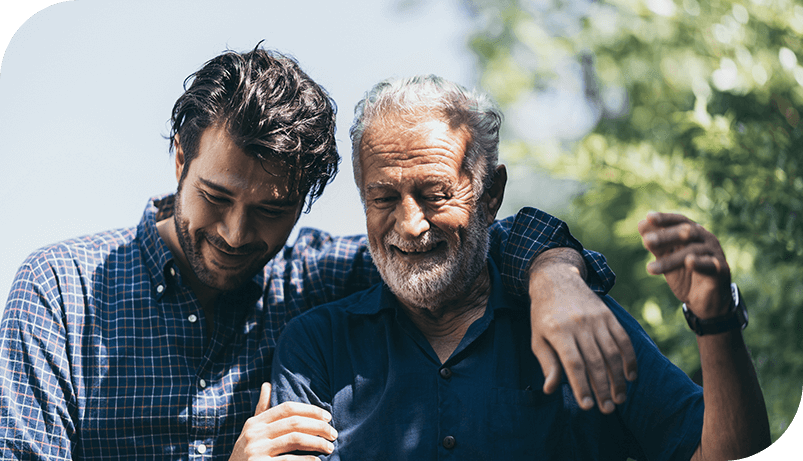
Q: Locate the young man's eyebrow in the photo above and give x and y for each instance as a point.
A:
(215, 186)
(284, 202)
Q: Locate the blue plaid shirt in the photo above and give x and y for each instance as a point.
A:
(104, 352)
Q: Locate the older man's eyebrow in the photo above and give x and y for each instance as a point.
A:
(379, 185)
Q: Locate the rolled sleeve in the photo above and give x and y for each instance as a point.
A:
(517, 240)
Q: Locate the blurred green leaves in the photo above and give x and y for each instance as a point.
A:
(697, 108)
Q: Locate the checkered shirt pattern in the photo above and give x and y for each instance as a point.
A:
(104, 353)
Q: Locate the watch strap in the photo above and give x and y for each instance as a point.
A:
(735, 318)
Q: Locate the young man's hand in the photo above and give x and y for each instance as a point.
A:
(272, 433)
(572, 327)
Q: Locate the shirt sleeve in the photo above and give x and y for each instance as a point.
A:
(300, 372)
(664, 408)
(37, 410)
(517, 240)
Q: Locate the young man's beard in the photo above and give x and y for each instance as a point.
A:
(430, 284)
(199, 266)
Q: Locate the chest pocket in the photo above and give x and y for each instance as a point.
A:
(524, 423)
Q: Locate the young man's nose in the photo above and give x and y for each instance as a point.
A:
(236, 229)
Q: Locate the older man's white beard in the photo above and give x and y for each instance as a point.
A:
(432, 283)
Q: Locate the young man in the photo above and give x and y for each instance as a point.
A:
(153, 341)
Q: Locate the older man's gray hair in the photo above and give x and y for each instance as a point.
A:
(449, 102)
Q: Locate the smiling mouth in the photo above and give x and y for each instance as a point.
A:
(414, 252)
(229, 261)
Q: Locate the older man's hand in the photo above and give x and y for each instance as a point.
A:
(691, 259)
(573, 327)
(273, 432)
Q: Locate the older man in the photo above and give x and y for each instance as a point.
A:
(434, 362)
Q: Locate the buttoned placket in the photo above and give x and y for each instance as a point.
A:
(448, 399)
(205, 401)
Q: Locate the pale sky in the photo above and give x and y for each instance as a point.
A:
(86, 89)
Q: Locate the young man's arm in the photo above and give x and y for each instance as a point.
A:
(571, 326)
(735, 421)
(36, 403)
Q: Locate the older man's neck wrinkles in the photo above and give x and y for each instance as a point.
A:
(445, 326)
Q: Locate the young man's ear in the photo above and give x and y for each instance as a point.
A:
(179, 157)
(492, 198)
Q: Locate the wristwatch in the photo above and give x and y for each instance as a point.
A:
(736, 318)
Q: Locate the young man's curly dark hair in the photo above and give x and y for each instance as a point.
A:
(270, 109)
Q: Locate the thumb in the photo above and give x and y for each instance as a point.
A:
(264, 399)
(550, 365)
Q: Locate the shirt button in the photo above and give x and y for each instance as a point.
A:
(172, 272)
(160, 288)
(192, 318)
(445, 373)
(449, 442)
(201, 448)
(202, 383)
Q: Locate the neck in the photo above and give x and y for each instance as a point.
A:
(445, 325)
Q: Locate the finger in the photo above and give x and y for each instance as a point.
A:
(668, 262)
(705, 264)
(550, 365)
(296, 441)
(659, 241)
(289, 409)
(625, 347)
(666, 219)
(575, 369)
(301, 425)
(597, 371)
(264, 399)
(616, 373)
(296, 458)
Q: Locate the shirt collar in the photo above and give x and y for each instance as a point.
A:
(157, 257)
(159, 260)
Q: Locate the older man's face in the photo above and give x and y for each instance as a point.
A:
(428, 236)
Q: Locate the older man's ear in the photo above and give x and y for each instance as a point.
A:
(492, 198)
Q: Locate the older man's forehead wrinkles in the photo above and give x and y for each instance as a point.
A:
(410, 158)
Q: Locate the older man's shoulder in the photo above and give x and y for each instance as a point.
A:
(363, 302)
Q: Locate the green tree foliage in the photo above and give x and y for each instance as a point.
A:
(696, 108)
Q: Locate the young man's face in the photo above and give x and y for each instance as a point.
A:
(233, 212)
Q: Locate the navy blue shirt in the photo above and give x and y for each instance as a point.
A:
(363, 360)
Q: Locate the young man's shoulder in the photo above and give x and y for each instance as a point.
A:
(84, 252)
(97, 243)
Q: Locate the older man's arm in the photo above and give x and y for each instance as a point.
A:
(735, 423)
